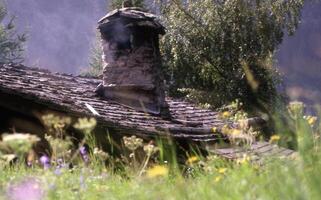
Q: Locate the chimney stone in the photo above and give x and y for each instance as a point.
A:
(132, 73)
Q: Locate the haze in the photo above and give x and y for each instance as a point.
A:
(61, 33)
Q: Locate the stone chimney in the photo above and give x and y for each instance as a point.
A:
(132, 73)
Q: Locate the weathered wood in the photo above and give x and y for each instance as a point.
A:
(40, 89)
(255, 151)
(30, 90)
(174, 129)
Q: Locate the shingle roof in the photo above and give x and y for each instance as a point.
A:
(75, 95)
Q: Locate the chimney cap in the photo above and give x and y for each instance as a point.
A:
(132, 16)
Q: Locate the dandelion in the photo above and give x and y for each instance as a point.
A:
(222, 170)
(274, 138)
(45, 161)
(157, 171)
(214, 130)
(243, 160)
(192, 160)
(226, 115)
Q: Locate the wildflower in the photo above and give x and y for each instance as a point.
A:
(150, 149)
(192, 160)
(311, 120)
(29, 163)
(57, 171)
(101, 154)
(56, 122)
(86, 125)
(222, 170)
(20, 143)
(296, 109)
(214, 129)
(274, 138)
(60, 163)
(157, 171)
(27, 189)
(45, 161)
(132, 143)
(235, 132)
(226, 115)
(84, 154)
(218, 179)
(243, 160)
(226, 130)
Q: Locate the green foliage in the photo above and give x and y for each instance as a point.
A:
(294, 177)
(116, 4)
(11, 43)
(96, 63)
(224, 49)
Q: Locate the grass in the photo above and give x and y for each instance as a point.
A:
(279, 179)
(298, 177)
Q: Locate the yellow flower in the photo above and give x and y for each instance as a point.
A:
(312, 120)
(192, 160)
(226, 114)
(226, 130)
(222, 170)
(218, 179)
(274, 138)
(236, 131)
(214, 129)
(157, 171)
(244, 160)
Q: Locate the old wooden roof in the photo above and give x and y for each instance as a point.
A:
(75, 95)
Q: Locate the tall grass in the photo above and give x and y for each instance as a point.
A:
(163, 177)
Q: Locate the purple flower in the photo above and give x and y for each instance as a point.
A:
(60, 163)
(29, 163)
(84, 154)
(26, 189)
(45, 161)
(57, 171)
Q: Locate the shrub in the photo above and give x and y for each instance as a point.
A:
(224, 49)
(11, 43)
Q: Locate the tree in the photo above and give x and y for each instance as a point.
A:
(114, 4)
(11, 43)
(224, 48)
(95, 60)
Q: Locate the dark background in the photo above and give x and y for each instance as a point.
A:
(61, 33)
